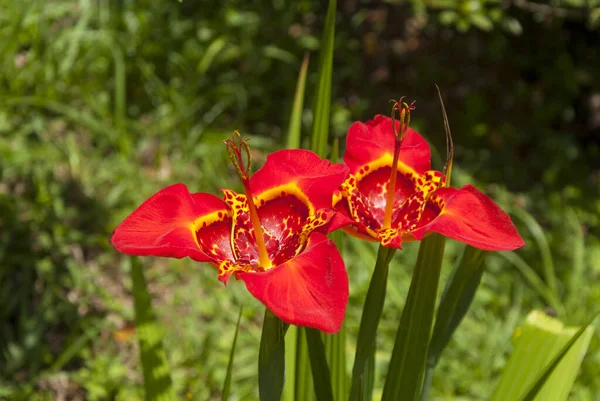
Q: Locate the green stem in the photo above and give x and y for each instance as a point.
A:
(372, 310)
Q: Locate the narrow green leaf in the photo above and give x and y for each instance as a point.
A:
(366, 390)
(318, 364)
(291, 349)
(304, 382)
(271, 358)
(407, 364)
(335, 344)
(372, 310)
(456, 300)
(542, 242)
(535, 281)
(155, 367)
(335, 350)
(295, 128)
(322, 105)
(227, 384)
(545, 360)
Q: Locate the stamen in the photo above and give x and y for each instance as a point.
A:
(404, 109)
(238, 151)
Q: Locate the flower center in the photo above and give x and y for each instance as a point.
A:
(404, 110)
(238, 151)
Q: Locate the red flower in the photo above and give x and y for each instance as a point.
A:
(419, 204)
(291, 266)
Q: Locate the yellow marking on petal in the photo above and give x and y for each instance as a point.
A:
(207, 220)
(385, 161)
(282, 190)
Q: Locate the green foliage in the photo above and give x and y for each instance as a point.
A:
(158, 385)
(103, 103)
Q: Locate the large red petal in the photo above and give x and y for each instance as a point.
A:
(164, 224)
(316, 178)
(472, 217)
(370, 141)
(308, 290)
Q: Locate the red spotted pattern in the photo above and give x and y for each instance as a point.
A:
(421, 205)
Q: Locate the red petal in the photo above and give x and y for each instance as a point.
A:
(370, 141)
(164, 224)
(308, 290)
(315, 177)
(472, 217)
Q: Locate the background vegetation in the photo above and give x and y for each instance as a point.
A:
(104, 102)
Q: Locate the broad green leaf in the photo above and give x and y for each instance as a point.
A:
(322, 105)
(318, 364)
(456, 300)
(227, 384)
(545, 360)
(407, 364)
(295, 128)
(155, 367)
(372, 310)
(271, 358)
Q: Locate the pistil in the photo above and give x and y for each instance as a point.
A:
(239, 148)
(400, 133)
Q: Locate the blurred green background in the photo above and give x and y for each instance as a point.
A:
(104, 102)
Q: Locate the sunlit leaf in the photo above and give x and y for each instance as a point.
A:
(545, 360)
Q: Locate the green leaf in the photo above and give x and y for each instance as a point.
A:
(407, 364)
(542, 242)
(456, 300)
(271, 358)
(545, 360)
(372, 310)
(335, 349)
(304, 382)
(318, 364)
(227, 384)
(155, 367)
(534, 280)
(335, 344)
(291, 349)
(295, 128)
(322, 105)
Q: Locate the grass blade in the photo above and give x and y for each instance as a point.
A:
(322, 105)
(372, 310)
(539, 236)
(535, 281)
(545, 360)
(318, 364)
(157, 374)
(295, 128)
(456, 300)
(227, 384)
(271, 358)
(407, 364)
